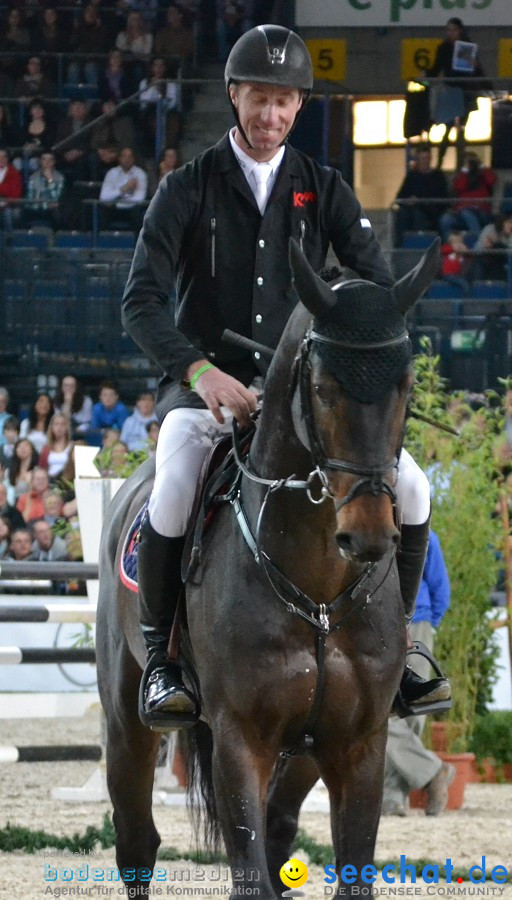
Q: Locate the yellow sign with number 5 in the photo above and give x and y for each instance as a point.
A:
(418, 54)
(329, 58)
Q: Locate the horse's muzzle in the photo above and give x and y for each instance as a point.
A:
(365, 548)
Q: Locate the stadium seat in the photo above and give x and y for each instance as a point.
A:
(489, 290)
(506, 203)
(80, 92)
(115, 240)
(73, 240)
(443, 290)
(435, 311)
(418, 240)
(54, 289)
(20, 239)
(481, 308)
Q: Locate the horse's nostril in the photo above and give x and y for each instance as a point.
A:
(343, 540)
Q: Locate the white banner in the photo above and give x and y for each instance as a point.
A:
(402, 13)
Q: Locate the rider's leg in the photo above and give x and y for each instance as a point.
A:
(184, 440)
(413, 493)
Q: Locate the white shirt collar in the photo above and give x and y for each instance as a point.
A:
(248, 163)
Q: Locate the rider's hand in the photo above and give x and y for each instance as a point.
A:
(218, 389)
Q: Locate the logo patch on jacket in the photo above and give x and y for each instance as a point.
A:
(300, 198)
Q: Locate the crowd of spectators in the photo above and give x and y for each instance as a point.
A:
(38, 510)
(475, 243)
(116, 66)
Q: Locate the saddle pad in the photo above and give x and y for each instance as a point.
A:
(128, 562)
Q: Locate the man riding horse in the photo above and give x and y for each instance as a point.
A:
(217, 232)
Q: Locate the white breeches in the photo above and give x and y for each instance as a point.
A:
(184, 441)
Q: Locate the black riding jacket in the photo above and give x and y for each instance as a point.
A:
(203, 235)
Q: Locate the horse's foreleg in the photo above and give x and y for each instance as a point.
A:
(354, 782)
(131, 759)
(242, 767)
(292, 781)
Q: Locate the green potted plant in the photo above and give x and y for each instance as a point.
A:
(491, 743)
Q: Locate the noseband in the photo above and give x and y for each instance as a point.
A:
(371, 479)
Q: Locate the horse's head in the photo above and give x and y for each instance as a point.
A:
(354, 378)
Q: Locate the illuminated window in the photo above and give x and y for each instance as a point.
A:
(380, 122)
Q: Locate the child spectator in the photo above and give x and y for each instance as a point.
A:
(21, 467)
(77, 406)
(454, 263)
(473, 187)
(10, 435)
(55, 455)
(11, 188)
(134, 431)
(35, 426)
(495, 236)
(109, 412)
(53, 508)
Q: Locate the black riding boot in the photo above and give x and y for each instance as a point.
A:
(164, 701)
(417, 697)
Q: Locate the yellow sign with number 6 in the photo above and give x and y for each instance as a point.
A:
(418, 54)
(329, 58)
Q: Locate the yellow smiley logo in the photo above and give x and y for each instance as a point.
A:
(294, 873)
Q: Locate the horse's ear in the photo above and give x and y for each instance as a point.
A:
(411, 286)
(314, 293)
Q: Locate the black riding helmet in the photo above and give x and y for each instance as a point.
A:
(269, 54)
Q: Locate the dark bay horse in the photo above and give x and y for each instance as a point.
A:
(295, 617)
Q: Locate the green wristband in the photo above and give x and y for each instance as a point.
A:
(197, 375)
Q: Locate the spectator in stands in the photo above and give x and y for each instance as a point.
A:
(89, 34)
(21, 545)
(53, 508)
(11, 433)
(5, 537)
(49, 37)
(55, 455)
(443, 65)
(35, 426)
(9, 512)
(497, 236)
(22, 465)
(15, 39)
(136, 44)
(153, 430)
(73, 157)
(108, 412)
(176, 38)
(157, 86)
(4, 414)
(125, 187)
(455, 263)
(148, 9)
(34, 83)
(45, 189)
(8, 134)
(230, 26)
(116, 130)
(114, 83)
(47, 546)
(105, 158)
(36, 136)
(473, 187)
(422, 183)
(30, 504)
(169, 161)
(11, 188)
(134, 431)
(73, 403)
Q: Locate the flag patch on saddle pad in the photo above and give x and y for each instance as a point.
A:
(128, 562)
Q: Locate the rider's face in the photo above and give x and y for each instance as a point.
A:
(266, 114)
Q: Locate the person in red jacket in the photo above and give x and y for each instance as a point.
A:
(11, 188)
(473, 187)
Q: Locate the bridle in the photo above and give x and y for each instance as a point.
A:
(371, 479)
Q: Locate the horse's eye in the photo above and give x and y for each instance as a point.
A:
(325, 395)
